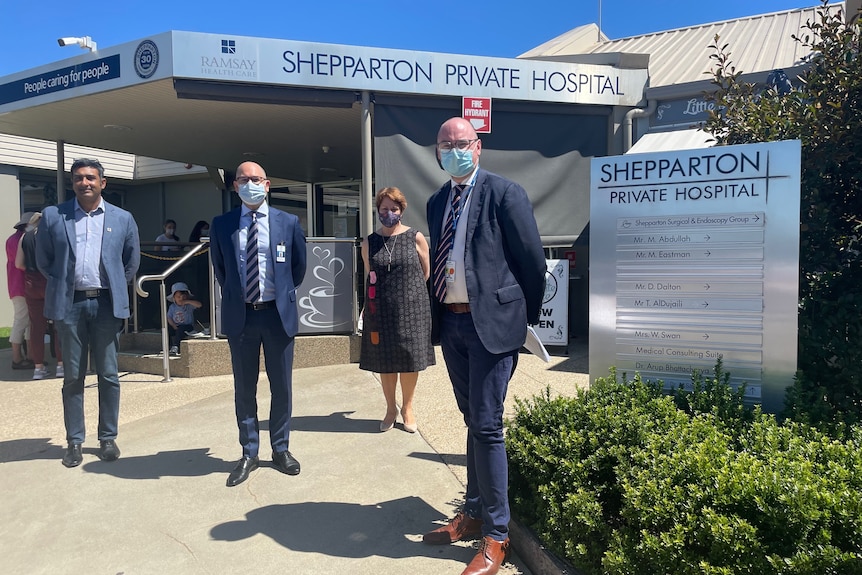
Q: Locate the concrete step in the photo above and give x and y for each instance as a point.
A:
(139, 352)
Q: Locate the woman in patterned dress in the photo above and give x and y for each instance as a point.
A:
(396, 334)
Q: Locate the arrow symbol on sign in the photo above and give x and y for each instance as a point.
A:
(708, 254)
(706, 336)
(478, 123)
(756, 218)
(706, 286)
(706, 304)
(706, 238)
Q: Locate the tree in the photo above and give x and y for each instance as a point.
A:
(824, 111)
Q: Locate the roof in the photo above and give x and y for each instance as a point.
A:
(757, 44)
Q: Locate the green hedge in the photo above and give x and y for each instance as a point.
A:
(623, 479)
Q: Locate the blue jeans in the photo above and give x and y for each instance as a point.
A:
(264, 328)
(480, 380)
(90, 325)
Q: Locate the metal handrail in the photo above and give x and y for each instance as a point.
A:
(164, 312)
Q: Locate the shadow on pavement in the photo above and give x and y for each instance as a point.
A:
(29, 449)
(343, 529)
(336, 422)
(181, 463)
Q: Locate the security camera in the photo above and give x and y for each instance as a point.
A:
(84, 42)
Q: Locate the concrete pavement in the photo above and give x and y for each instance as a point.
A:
(360, 505)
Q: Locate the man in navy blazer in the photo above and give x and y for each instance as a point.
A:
(89, 252)
(488, 275)
(258, 255)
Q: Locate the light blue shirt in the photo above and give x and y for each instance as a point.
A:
(267, 281)
(456, 292)
(88, 247)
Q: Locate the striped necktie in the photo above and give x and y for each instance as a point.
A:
(444, 247)
(252, 268)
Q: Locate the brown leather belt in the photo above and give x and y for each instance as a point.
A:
(458, 307)
(259, 305)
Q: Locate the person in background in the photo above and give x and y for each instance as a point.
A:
(15, 284)
(34, 292)
(201, 230)
(89, 251)
(181, 314)
(488, 277)
(258, 257)
(396, 337)
(169, 237)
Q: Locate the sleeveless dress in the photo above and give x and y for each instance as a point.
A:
(396, 333)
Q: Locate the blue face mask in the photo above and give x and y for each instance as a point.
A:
(457, 162)
(252, 194)
(389, 219)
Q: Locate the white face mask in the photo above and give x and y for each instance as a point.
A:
(252, 194)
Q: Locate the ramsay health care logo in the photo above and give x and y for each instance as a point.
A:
(227, 63)
(146, 59)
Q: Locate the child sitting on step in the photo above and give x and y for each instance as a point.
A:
(181, 314)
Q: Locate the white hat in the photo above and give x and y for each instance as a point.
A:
(179, 286)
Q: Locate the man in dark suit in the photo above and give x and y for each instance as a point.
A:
(258, 254)
(488, 273)
(89, 252)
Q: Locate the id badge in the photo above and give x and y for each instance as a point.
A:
(450, 271)
(280, 255)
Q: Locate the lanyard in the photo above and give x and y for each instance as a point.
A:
(464, 197)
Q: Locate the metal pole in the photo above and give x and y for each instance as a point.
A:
(61, 172)
(166, 361)
(367, 191)
(134, 295)
(213, 288)
(599, 39)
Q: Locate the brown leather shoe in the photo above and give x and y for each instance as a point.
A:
(491, 555)
(462, 526)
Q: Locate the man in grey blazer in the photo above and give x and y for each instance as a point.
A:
(488, 277)
(89, 252)
(258, 256)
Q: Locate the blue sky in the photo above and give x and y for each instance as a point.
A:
(502, 28)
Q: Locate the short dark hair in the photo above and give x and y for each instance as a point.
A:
(88, 163)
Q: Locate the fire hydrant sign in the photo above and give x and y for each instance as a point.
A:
(478, 112)
(694, 255)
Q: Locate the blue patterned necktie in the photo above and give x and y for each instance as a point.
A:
(444, 247)
(252, 268)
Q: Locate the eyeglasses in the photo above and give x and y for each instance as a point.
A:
(447, 145)
(255, 179)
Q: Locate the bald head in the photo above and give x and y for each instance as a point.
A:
(250, 171)
(251, 167)
(456, 138)
(458, 125)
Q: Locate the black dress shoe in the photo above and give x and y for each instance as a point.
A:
(73, 456)
(108, 450)
(240, 473)
(285, 462)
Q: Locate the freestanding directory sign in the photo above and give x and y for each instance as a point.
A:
(695, 256)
